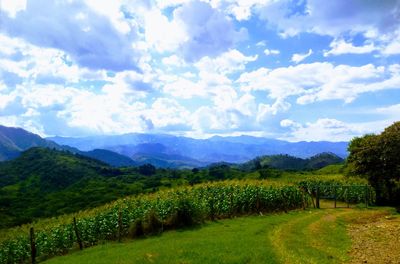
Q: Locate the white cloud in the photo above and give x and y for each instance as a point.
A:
(266, 111)
(391, 44)
(40, 65)
(230, 113)
(195, 30)
(54, 80)
(173, 60)
(212, 79)
(329, 129)
(298, 57)
(322, 129)
(329, 18)
(262, 43)
(5, 100)
(346, 83)
(321, 81)
(189, 75)
(288, 123)
(13, 7)
(186, 89)
(112, 10)
(246, 104)
(87, 36)
(279, 83)
(163, 34)
(240, 9)
(228, 62)
(271, 52)
(162, 4)
(339, 47)
(167, 113)
(392, 111)
(60, 110)
(212, 120)
(377, 21)
(210, 32)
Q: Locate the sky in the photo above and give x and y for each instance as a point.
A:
(295, 70)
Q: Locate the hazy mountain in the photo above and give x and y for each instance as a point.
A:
(164, 150)
(14, 140)
(230, 149)
(167, 160)
(110, 157)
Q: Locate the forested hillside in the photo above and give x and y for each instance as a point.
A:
(44, 182)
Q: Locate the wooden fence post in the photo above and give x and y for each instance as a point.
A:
(258, 203)
(119, 225)
(33, 245)
(78, 237)
(309, 192)
(317, 197)
(335, 193)
(231, 204)
(212, 210)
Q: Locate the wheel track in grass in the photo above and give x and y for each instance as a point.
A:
(312, 238)
(328, 226)
(339, 236)
(289, 233)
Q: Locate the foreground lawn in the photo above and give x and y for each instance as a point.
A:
(312, 236)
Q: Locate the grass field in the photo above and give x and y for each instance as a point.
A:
(311, 236)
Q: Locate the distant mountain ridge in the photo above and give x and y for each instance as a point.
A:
(215, 149)
(165, 151)
(15, 140)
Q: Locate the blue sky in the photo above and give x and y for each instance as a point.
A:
(295, 70)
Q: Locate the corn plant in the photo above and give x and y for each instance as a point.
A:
(169, 209)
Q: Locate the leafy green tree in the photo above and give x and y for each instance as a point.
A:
(219, 172)
(377, 157)
(147, 169)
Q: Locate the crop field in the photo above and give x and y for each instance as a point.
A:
(310, 236)
(153, 213)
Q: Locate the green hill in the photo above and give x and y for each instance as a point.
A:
(286, 162)
(44, 182)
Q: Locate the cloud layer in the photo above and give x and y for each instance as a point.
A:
(306, 70)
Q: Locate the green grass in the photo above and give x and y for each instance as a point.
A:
(312, 236)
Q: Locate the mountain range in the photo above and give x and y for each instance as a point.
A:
(169, 151)
(165, 151)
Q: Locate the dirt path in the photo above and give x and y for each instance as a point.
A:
(375, 239)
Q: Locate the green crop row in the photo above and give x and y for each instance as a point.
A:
(152, 213)
(352, 192)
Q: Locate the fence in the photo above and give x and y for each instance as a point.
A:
(349, 194)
